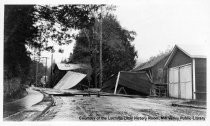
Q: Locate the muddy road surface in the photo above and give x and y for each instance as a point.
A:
(118, 108)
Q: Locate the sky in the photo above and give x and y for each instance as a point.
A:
(160, 24)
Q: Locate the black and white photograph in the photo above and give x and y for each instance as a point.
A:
(126, 61)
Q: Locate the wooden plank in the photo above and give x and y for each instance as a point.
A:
(118, 76)
(193, 81)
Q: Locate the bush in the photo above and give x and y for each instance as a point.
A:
(12, 87)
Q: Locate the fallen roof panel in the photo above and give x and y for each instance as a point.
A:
(69, 80)
(135, 81)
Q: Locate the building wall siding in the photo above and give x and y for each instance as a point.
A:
(179, 58)
(200, 78)
(159, 74)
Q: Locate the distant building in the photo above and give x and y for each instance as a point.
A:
(186, 68)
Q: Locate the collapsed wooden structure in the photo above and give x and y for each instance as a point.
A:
(180, 73)
(157, 74)
(128, 83)
(68, 76)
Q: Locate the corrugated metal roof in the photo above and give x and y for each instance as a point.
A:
(69, 80)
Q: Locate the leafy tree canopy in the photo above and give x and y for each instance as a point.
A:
(118, 52)
(37, 25)
(18, 31)
(58, 23)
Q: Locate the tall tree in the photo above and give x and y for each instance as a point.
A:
(57, 23)
(18, 31)
(118, 52)
(33, 25)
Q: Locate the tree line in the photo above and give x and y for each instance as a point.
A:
(33, 26)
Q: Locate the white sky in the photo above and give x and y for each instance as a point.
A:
(159, 24)
(163, 23)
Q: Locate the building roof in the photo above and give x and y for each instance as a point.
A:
(137, 81)
(193, 51)
(69, 80)
(62, 66)
(151, 62)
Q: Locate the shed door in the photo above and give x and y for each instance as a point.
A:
(173, 82)
(180, 82)
(186, 82)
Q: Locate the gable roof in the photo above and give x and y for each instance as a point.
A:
(151, 62)
(193, 51)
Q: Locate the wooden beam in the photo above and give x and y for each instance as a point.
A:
(100, 53)
(167, 81)
(150, 73)
(149, 77)
(117, 81)
(122, 89)
(193, 81)
(179, 85)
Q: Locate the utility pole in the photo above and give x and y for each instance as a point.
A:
(46, 73)
(51, 68)
(37, 67)
(34, 65)
(101, 67)
(45, 70)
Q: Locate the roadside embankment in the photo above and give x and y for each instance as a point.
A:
(13, 90)
(33, 112)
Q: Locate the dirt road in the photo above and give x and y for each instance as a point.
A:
(118, 108)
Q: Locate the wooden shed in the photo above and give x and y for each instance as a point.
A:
(155, 69)
(157, 74)
(186, 72)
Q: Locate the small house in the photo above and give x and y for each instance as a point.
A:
(186, 72)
